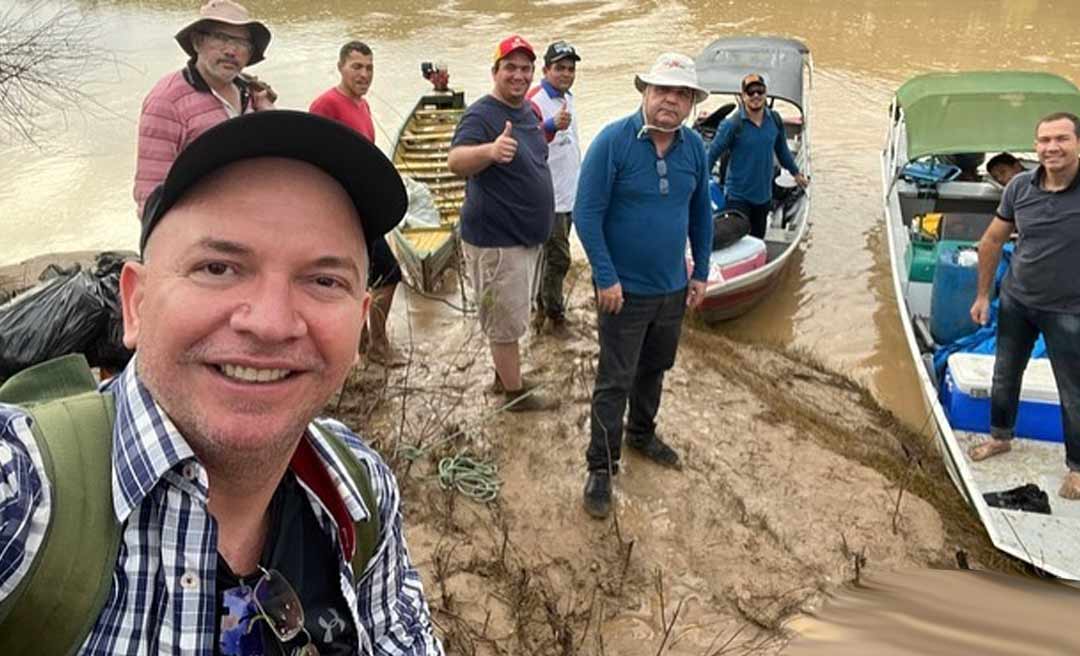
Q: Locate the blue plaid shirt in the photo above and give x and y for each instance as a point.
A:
(163, 596)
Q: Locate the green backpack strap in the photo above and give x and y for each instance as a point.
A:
(367, 532)
(56, 604)
(67, 375)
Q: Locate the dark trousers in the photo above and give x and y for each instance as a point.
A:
(555, 263)
(1018, 328)
(758, 214)
(637, 346)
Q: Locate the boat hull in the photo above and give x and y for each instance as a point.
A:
(729, 303)
(788, 222)
(421, 152)
(1050, 542)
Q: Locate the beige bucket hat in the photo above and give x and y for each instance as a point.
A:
(230, 13)
(672, 70)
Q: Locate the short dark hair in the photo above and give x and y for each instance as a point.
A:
(1002, 159)
(1058, 116)
(497, 64)
(353, 46)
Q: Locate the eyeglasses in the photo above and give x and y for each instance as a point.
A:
(222, 39)
(279, 605)
(755, 92)
(661, 170)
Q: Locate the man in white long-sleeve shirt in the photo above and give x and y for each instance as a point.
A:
(553, 99)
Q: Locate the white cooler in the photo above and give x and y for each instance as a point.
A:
(965, 394)
(747, 254)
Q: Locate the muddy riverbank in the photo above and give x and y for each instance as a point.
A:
(796, 482)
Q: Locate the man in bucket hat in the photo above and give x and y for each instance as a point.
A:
(232, 502)
(752, 135)
(642, 193)
(208, 90)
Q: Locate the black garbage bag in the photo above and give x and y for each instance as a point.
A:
(71, 311)
(107, 349)
(61, 315)
(729, 226)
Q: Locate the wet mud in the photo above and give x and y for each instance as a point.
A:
(795, 483)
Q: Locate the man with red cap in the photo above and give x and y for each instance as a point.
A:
(208, 90)
(500, 147)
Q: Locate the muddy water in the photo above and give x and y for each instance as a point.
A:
(934, 607)
(72, 190)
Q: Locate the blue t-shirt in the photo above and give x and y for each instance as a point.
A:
(750, 169)
(634, 211)
(506, 204)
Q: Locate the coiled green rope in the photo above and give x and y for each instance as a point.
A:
(473, 478)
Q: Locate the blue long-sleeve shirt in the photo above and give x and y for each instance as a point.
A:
(750, 169)
(633, 233)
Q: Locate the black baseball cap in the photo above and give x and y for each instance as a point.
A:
(753, 79)
(368, 177)
(560, 50)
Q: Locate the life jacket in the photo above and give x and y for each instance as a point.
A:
(58, 601)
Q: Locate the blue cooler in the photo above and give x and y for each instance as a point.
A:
(965, 395)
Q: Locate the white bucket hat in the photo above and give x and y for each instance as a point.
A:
(672, 70)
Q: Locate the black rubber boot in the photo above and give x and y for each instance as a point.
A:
(655, 449)
(598, 494)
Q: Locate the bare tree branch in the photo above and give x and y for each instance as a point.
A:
(47, 53)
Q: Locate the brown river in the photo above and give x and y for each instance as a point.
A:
(72, 190)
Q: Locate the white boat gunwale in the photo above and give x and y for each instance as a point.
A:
(1014, 532)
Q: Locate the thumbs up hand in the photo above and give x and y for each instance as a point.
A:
(505, 145)
(562, 119)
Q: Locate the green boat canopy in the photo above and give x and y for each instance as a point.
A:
(980, 112)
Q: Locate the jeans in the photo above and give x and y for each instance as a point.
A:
(637, 346)
(1018, 328)
(758, 215)
(555, 265)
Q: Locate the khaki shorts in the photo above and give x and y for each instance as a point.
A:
(503, 280)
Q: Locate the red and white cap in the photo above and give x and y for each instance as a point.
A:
(512, 43)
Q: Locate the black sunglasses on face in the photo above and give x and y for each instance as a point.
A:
(755, 92)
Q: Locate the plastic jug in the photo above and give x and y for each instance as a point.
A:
(951, 297)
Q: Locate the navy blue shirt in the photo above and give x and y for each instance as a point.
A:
(506, 204)
(750, 170)
(635, 211)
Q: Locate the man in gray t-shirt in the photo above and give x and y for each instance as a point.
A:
(1041, 291)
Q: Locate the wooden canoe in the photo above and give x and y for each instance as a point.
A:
(420, 153)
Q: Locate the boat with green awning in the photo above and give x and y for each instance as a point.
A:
(938, 200)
